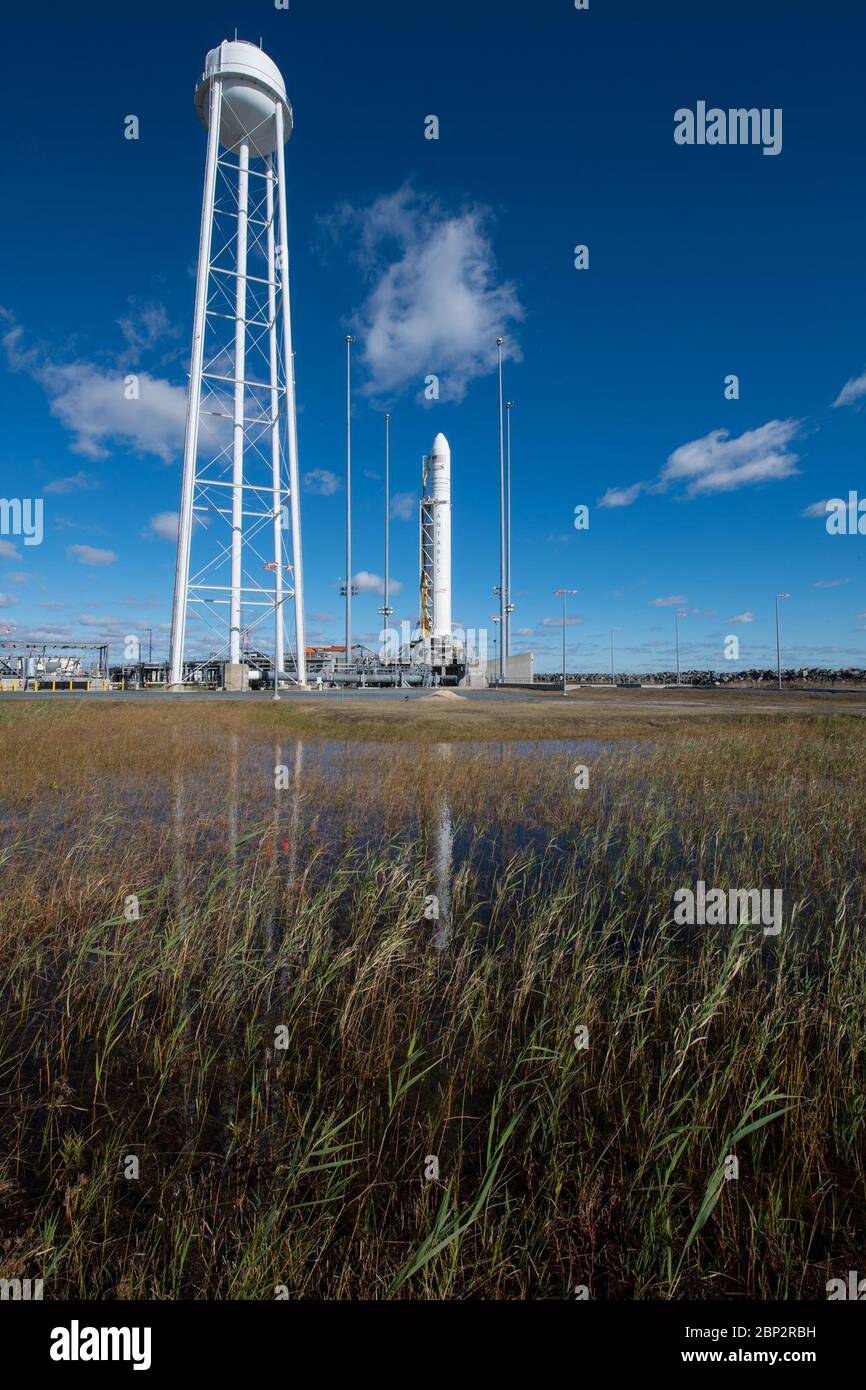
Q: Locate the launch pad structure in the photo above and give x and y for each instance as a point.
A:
(435, 646)
(26, 665)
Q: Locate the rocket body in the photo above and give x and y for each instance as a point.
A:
(440, 491)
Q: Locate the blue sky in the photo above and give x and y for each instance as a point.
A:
(556, 129)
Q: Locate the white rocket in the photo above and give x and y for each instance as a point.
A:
(436, 543)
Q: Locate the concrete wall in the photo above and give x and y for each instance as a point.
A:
(236, 676)
(519, 667)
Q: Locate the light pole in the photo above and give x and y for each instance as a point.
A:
(509, 606)
(386, 610)
(494, 618)
(149, 632)
(348, 498)
(502, 598)
(564, 593)
(677, 617)
(779, 639)
(344, 588)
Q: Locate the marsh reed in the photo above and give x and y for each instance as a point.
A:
(284, 1041)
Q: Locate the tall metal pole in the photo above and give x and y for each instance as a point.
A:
(565, 691)
(386, 609)
(238, 412)
(494, 618)
(499, 342)
(387, 463)
(557, 593)
(291, 408)
(348, 500)
(193, 403)
(779, 639)
(677, 621)
(508, 604)
(276, 479)
(612, 675)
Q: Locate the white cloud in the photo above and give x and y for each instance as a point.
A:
(404, 506)
(830, 583)
(91, 403)
(672, 601)
(718, 463)
(76, 482)
(8, 551)
(436, 303)
(104, 621)
(6, 600)
(49, 634)
(557, 622)
(164, 525)
(90, 555)
(322, 481)
(741, 618)
(815, 509)
(367, 583)
(145, 327)
(853, 391)
(19, 577)
(621, 496)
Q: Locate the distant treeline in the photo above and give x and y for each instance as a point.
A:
(800, 675)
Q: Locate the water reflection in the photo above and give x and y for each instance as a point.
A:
(273, 808)
(232, 807)
(294, 817)
(444, 858)
(177, 823)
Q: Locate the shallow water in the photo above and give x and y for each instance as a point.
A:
(337, 802)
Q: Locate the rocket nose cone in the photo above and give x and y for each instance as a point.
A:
(440, 444)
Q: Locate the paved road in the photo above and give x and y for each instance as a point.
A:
(648, 700)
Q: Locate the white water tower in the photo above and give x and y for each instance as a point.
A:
(240, 507)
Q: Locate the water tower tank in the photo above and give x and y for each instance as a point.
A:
(252, 84)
